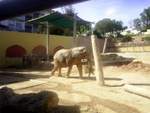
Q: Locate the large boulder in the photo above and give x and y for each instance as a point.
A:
(32, 102)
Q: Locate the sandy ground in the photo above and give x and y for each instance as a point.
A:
(134, 69)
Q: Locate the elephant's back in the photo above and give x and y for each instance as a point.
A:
(61, 55)
(61, 52)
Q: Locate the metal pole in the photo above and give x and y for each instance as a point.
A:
(47, 42)
(74, 31)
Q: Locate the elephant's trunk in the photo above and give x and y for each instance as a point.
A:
(90, 67)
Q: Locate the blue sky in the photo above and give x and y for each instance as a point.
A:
(124, 10)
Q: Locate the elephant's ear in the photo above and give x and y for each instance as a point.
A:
(68, 57)
(71, 53)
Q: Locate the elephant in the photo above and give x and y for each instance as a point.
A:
(30, 60)
(69, 57)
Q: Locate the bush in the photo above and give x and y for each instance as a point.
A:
(126, 38)
(147, 38)
(119, 35)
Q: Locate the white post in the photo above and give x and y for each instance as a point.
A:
(74, 31)
(104, 47)
(98, 61)
(47, 41)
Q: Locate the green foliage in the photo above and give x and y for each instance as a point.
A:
(99, 35)
(126, 38)
(56, 31)
(108, 26)
(118, 35)
(147, 38)
(68, 32)
(84, 29)
(137, 23)
(146, 27)
(110, 35)
(145, 17)
(124, 27)
(42, 29)
(52, 30)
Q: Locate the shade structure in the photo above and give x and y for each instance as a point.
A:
(59, 20)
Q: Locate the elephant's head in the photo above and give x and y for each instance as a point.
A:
(78, 52)
(83, 53)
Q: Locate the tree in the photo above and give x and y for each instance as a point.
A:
(68, 10)
(42, 29)
(145, 17)
(130, 23)
(137, 23)
(108, 26)
(84, 29)
(53, 30)
(124, 27)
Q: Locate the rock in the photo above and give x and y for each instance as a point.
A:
(7, 97)
(32, 102)
(110, 57)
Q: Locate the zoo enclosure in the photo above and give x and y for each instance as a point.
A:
(12, 42)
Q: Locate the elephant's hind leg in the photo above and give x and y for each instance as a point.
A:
(59, 72)
(69, 70)
(53, 71)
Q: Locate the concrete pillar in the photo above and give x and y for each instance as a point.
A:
(98, 61)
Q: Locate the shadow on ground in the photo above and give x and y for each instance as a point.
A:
(14, 76)
(59, 109)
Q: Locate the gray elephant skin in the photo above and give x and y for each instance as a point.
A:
(70, 57)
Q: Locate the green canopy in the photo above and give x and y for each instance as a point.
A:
(59, 20)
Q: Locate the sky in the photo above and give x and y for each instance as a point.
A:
(124, 10)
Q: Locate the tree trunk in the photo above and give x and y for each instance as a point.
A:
(98, 61)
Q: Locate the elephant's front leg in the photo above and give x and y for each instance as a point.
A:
(79, 66)
(69, 70)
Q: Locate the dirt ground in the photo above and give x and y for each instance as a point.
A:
(85, 94)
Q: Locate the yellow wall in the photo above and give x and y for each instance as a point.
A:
(28, 41)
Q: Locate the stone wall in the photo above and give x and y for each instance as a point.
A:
(136, 45)
(86, 41)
